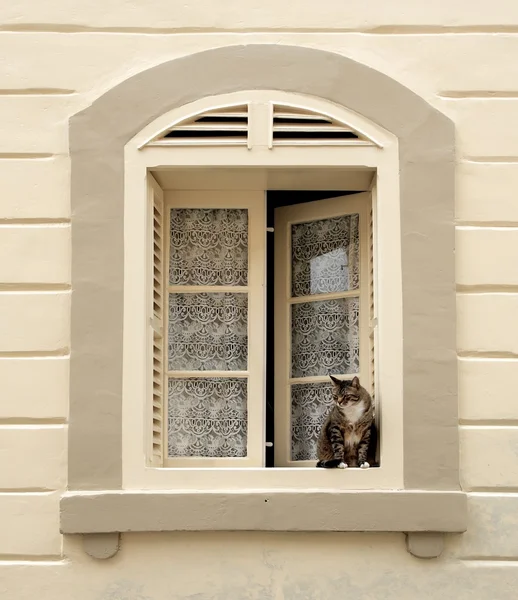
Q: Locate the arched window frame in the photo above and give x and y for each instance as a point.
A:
(381, 156)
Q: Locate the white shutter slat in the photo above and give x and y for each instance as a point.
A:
(158, 263)
(300, 115)
(297, 126)
(212, 127)
(156, 404)
(312, 128)
(218, 127)
(322, 141)
(201, 142)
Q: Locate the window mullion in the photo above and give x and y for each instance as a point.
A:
(260, 123)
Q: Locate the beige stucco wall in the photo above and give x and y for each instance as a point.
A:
(57, 58)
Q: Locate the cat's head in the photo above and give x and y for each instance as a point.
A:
(346, 392)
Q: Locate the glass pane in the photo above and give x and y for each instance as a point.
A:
(325, 337)
(208, 247)
(208, 332)
(207, 417)
(310, 404)
(325, 256)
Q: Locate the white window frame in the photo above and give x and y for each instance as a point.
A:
(252, 202)
(386, 325)
(341, 205)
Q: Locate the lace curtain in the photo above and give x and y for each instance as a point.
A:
(207, 417)
(208, 331)
(325, 256)
(208, 247)
(324, 333)
(310, 403)
(325, 337)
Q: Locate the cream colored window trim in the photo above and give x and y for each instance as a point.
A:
(383, 157)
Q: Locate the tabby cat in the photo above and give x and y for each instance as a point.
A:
(346, 433)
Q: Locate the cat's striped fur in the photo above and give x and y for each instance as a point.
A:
(345, 437)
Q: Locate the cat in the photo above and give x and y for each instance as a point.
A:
(345, 437)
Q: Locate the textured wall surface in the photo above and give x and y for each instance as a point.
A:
(60, 55)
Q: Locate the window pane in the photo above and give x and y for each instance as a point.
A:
(310, 403)
(208, 332)
(208, 247)
(325, 256)
(325, 337)
(207, 417)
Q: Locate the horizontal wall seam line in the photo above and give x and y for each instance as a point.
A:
(489, 159)
(36, 92)
(476, 354)
(512, 359)
(507, 227)
(463, 288)
(441, 29)
(34, 353)
(481, 225)
(20, 289)
(491, 489)
(65, 28)
(31, 558)
(28, 491)
(35, 287)
(493, 494)
(49, 222)
(478, 95)
(493, 423)
(471, 426)
(490, 559)
(33, 426)
(26, 155)
(34, 421)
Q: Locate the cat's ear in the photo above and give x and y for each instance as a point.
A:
(355, 383)
(336, 383)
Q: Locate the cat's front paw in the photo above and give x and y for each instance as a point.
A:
(364, 465)
(342, 465)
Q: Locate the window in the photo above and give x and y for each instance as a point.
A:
(213, 316)
(209, 276)
(260, 283)
(409, 153)
(321, 315)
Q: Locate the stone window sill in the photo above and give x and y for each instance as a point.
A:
(423, 515)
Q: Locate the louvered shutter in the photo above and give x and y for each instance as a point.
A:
(293, 126)
(156, 334)
(224, 126)
(373, 317)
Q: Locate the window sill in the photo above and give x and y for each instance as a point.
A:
(119, 511)
(389, 477)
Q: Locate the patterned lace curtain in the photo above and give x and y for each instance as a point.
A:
(207, 331)
(324, 333)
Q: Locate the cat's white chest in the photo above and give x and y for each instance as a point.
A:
(354, 413)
